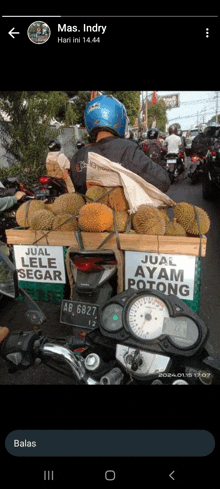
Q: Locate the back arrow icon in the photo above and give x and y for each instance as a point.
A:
(170, 475)
(11, 32)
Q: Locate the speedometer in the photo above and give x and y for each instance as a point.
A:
(145, 316)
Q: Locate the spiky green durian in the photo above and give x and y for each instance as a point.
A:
(68, 203)
(25, 210)
(148, 220)
(95, 192)
(117, 200)
(185, 214)
(173, 228)
(41, 219)
(122, 218)
(70, 225)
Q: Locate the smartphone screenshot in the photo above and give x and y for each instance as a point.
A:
(109, 256)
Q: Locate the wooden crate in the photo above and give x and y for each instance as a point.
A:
(130, 242)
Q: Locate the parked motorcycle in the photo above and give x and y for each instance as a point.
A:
(196, 168)
(140, 337)
(9, 186)
(50, 188)
(174, 165)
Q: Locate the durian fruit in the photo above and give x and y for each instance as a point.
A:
(68, 203)
(148, 220)
(48, 207)
(173, 228)
(71, 225)
(96, 191)
(165, 216)
(117, 200)
(41, 219)
(186, 216)
(95, 217)
(122, 218)
(21, 218)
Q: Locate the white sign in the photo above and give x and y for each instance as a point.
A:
(171, 101)
(40, 263)
(169, 274)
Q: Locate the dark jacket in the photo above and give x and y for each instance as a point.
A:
(200, 144)
(122, 151)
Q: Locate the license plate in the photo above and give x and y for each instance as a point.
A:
(42, 193)
(171, 161)
(79, 314)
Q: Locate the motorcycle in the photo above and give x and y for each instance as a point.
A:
(50, 188)
(95, 281)
(196, 168)
(9, 187)
(174, 165)
(211, 173)
(9, 286)
(140, 337)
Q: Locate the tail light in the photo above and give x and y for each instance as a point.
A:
(213, 153)
(194, 158)
(92, 263)
(181, 154)
(44, 180)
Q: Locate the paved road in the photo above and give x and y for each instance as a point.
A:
(12, 311)
(183, 191)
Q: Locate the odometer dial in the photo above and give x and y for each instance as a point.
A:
(145, 317)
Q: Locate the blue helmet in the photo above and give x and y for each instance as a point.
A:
(106, 113)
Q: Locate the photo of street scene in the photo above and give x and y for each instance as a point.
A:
(38, 32)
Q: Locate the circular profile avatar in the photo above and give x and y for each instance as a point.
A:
(38, 32)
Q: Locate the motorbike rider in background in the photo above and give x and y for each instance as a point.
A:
(174, 143)
(202, 142)
(58, 165)
(107, 125)
(183, 147)
(152, 140)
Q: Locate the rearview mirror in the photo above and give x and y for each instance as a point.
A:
(9, 286)
(8, 277)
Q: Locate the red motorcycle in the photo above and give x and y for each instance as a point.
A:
(50, 188)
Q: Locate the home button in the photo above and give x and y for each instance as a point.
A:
(110, 475)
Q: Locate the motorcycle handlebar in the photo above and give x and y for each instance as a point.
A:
(56, 351)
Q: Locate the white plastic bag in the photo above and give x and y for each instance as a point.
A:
(101, 171)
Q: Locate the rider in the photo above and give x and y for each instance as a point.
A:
(203, 141)
(7, 202)
(106, 122)
(174, 143)
(183, 148)
(58, 165)
(153, 139)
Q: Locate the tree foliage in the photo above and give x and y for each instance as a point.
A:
(157, 112)
(131, 101)
(25, 138)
